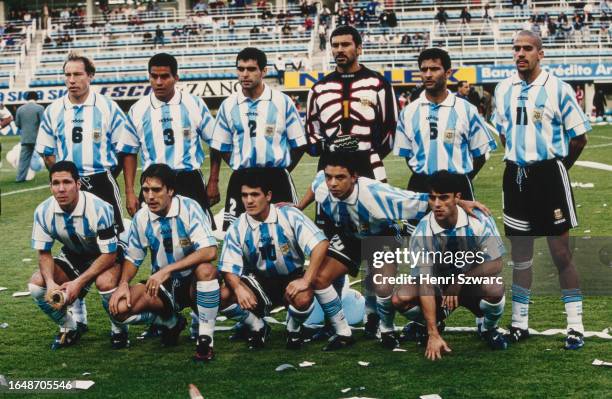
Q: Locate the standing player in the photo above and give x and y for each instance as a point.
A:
(353, 109)
(257, 127)
(84, 224)
(263, 266)
(176, 230)
(169, 127)
(440, 130)
(477, 250)
(543, 130)
(84, 127)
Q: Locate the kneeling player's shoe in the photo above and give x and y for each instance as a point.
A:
(294, 340)
(495, 339)
(389, 340)
(66, 339)
(413, 332)
(204, 351)
(257, 339)
(152, 332)
(370, 328)
(170, 336)
(240, 332)
(120, 340)
(339, 342)
(574, 340)
(516, 334)
(82, 327)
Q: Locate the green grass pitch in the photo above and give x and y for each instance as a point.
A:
(538, 368)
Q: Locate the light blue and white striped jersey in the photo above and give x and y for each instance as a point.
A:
(169, 133)
(371, 209)
(537, 120)
(258, 133)
(470, 235)
(445, 136)
(274, 247)
(184, 230)
(85, 134)
(88, 231)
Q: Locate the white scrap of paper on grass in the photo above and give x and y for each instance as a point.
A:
(345, 390)
(285, 366)
(399, 350)
(26, 260)
(430, 396)
(83, 384)
(3, 288)
(306, 363)
(4, 325)
(21, 293)
(598, 362)
(364, 364)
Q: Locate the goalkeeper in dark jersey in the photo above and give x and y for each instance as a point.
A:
(353, 109)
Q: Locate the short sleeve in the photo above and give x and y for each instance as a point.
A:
(403, 142)
(231, 259)
(222, 134)
(575, 121)
(137, 241)
(307, 234)
(129, 139)
(106, 235)
(480, 139)
(295, 130)
(41, 236)
(200, 232)
(45, 141)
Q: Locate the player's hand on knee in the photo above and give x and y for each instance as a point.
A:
(122, 292)
(436, 346)
(246, 298)
(450, 302)
(155, 281)
(470, 206)
(71, 290)
(212, 192)
(296, 286)
(131, 203)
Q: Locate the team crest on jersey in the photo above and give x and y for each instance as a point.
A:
(449, 135)
(184, 242)
(284, 248)
(537, 115)
(270, 129)
(186, 133)
(364, 227)
(97, 136)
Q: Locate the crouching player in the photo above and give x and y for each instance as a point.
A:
(85, 225)
(469, 278)
(182, 245)
(262, 262)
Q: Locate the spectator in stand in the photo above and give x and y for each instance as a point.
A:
(322, 32)
(159, 36)
(325, 16)
(605, 8)
(487, 19)
(402, 100)
(254, 31)
(384, 19)
(362, 18)
(577, 26)
(580, 96)
(406, 40)
(466, 18)
(280, 66)
(308, 23)
(463, 89)
(286, 29)
(343, 18)
(371, 7)
(392, 19)
(442, 17)
(282, 15)
(599, 102)
(65, 15)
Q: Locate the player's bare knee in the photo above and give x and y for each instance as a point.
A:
(205, 272)
(303, 300)
(37, 279)
(227, 297)
(105, 282)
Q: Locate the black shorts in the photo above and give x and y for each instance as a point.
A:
(74, 265)
(105, 187)
(346, 250)
(270, 291)
(283, 190)
(176, 292)
(418, 183)
(538, 199)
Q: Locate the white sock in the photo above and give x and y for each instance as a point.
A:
(573, 307)
(386, 312)
(520, 307)
(116, 328)
(235, 312)
(207, 300)
(332, 309)
(492, 313)
(78, 310)
(296, 317)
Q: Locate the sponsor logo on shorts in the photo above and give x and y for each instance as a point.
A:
(558, 215)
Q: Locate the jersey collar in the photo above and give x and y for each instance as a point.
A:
(539, 81)
(79, 210)
(175, 100)
(173, 212)
(272, 218)
(90, 101)
(462, 221)
(449, 101)
(266, 95)
(352, 198)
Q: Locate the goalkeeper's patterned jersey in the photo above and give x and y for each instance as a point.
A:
(361, 105)
(275, 247)
(373, 208)
(258, 133)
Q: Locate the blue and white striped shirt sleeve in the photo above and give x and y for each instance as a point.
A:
(118, 124)
(137, 241)
(498, 118)
(129, 140)
(45, 141)
(481, 141)
(295, 130)
(403, 144)
(318, 180)
(41, 237)
(490, 240)
(222, 134)
(231, 259)
(199, 230)
(206, 126)
(574, 120)
(106, 236)
(307, 234)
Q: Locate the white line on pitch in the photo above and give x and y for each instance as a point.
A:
(25, 190)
